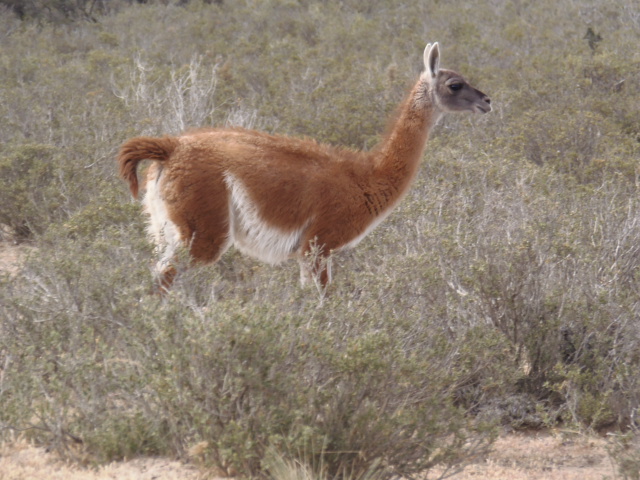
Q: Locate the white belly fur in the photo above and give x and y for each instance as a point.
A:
(251, 234)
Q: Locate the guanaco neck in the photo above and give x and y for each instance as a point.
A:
(397, 158)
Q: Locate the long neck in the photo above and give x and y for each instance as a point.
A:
(397, 158)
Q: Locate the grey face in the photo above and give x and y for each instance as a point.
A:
(454, 94)
(450, 92)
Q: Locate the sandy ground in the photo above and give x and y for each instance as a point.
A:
(514, 457)
(543, 456)
(11, 255)
(20, 461)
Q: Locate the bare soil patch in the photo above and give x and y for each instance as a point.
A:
(12, 256)
(544, 456)
(21, 461)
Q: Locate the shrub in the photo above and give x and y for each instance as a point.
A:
(29, 188)
(355, 396)
(625, 450)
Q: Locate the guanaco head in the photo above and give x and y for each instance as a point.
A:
(449, 91)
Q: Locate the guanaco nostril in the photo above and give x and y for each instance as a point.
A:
(488, 100)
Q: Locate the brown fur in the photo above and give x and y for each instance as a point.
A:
(330, 194)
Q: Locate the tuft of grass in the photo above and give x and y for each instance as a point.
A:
(624, 449)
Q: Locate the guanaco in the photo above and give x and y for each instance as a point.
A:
(275, 197)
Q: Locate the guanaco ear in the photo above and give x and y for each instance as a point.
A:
(432, 60)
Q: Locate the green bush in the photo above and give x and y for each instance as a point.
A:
(29, 189)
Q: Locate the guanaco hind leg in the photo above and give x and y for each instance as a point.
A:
(206, 240)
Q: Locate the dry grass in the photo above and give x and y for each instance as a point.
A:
(515, 457)
(21, 461)
(521, 456)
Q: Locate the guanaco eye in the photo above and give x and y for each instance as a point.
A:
(455, 87)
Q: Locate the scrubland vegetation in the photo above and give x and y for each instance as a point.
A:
(504, 291)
